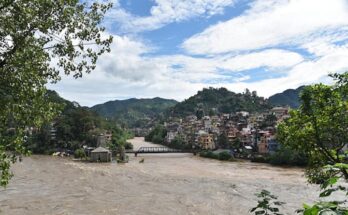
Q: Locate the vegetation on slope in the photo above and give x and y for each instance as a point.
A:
(134, 112)
(290, 97)
(74, 127)
(219, 100)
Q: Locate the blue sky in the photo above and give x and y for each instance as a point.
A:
(173, 48)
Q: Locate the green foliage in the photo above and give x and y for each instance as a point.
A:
(288, 156)
(128, 145)
(287, 98)
(119, 138)
(319, 128)
(32, 34)
(267, 205)
(209, 154)
(329, 187)
(157, 135)
(80, 153)
(223, 141)
(134, 112)
(260, 159)
(74, 126)
(179, 143)
(269, 121)
(220, 99)
(224, 155)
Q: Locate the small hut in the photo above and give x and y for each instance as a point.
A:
(100, 154)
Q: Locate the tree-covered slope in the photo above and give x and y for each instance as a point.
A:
(212, 100)
(289, 97)
(73, 127)
(134, 112)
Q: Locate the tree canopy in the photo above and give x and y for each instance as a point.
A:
(39, 41)
(320, 126)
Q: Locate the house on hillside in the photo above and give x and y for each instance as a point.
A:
(206, 140)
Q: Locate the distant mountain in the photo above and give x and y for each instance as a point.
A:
(219, 100)
(134, 112)
(288, 97)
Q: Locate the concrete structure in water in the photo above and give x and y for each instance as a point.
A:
(100, 154)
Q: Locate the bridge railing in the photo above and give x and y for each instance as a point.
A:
(161, 150)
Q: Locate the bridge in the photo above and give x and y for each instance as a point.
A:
(152, 150)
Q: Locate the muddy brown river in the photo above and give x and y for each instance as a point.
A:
(164, 184)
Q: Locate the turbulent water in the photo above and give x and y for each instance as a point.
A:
(164, 184)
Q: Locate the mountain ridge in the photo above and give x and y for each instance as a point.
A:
(289, 97)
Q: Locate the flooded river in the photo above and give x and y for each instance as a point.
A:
(164, 184)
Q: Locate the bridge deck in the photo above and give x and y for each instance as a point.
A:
(143, 150)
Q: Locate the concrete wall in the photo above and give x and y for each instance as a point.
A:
(101, 156)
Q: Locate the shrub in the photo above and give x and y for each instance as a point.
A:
(260, 159)
(208, 154)
(128, 145)
(221, 156)
(224, 156)
(79, 153)
(286, 156)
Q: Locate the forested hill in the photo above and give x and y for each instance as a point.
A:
(211, 101)
(74, 127)
(289, 97)
(134, 112)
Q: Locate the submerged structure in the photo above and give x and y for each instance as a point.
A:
(100, 154)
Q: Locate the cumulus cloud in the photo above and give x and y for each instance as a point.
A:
(164, 12)
(127, 72)
(270, 23)
(299, 40)
(268, 58)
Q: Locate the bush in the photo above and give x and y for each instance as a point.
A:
(128, 145)
(208, 154)
(224, 156)
(286, 156)
(79, 153)
(260, 159)
(221, 156)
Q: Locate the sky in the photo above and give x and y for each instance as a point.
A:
(173, 48)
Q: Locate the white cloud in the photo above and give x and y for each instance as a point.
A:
(164, 12)
(269, 58)
(307, 72)
(263, 36)
(126, 72)
(272, 22)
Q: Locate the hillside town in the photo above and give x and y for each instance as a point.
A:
(242, 131)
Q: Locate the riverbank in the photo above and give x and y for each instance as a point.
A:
(163, 184)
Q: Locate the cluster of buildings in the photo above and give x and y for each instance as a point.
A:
(240, 130)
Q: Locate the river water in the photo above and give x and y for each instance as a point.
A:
(164, 184)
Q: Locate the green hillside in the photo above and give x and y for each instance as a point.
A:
(74, 126)
(134, 112)
(219, 100)
(289, 97)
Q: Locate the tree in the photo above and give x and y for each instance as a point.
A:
(223, 141)
(319, 128)
(40, 40)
